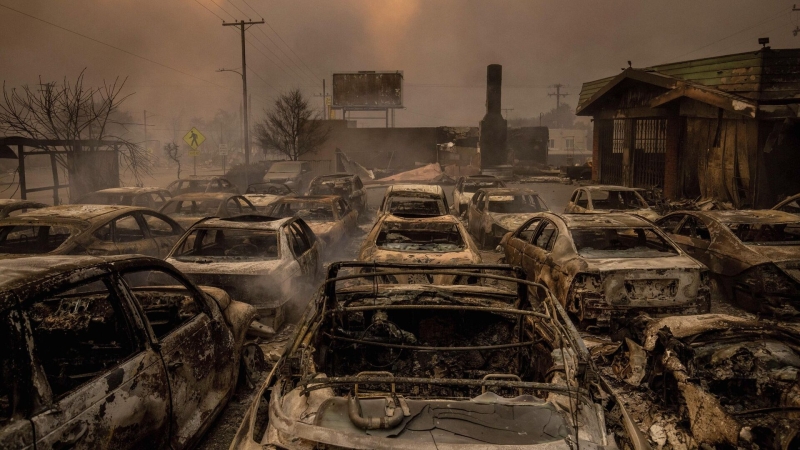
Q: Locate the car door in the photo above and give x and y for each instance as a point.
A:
(107, 385)
(310, 259)
(164, 231)
(360, 203)
(519, 240)
(101, 242)
(582, 202)
(536, 260)
(348, 215)
(195, 344)
(131, 237)
(245, 206)
(475, 214)
(693, 236)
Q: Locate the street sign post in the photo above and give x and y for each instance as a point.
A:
(194, 138)
(223, 151)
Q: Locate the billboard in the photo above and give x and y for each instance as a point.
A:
(368, 90)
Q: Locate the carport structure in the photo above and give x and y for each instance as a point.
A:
(91, 164)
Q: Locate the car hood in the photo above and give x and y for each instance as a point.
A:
(321, 229)
(465, 256)
(511, 221)
(615, 264)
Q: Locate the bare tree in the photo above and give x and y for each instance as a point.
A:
(70, 111)
(173, 152)
(291, 127)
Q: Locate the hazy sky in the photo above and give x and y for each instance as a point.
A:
(443, 47)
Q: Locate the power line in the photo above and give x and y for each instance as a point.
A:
(220, 7)
(276, 56)
(313, 73)
(114, 47)
(312, 78)
(209, 10)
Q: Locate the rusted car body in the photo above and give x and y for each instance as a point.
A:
(734, 381)
(112, 353)
(428, 240)
(603, 199)
(12, 206)
(262, 195)
(345, 185)
(187, 209)
(417, 367)
(201, 184)
(603, 267)
(262, 261)
(414, 199)
(790, 205)
(494, 212)
(467, 186)
(754, 256)
(88, 230)
(148, 197)
(329, 216)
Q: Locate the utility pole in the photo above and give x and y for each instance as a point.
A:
(558, 96)
(243, 25)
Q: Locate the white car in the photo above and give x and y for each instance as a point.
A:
(421, 200)
(466, 187)
(256, 259)
(603, 199)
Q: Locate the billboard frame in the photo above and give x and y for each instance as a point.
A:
(334, 106)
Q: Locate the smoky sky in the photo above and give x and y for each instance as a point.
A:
(442, 46)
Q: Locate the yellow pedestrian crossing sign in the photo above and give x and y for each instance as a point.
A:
(194, 138)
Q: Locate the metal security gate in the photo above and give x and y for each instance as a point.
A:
(649, 151)
(612, 144)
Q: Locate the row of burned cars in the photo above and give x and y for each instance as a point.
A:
(417, 344)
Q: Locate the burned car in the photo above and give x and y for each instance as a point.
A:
(148, 197)
(753, 256)
(733, 381)
(262, 195)
(603, 199)
(329, 216)
(417, 367)
(12, 206)
(467, 186)
(88, 230)
(414, 199)
(790, 205)
(187, 209)
(259, 260)
(494, 212)
(113, 353)
(201, 184)
(345, 185)
(606, 267)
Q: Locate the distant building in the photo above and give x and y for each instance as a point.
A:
(568, 147)
(725, 127)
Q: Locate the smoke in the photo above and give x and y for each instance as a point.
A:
(442, 47)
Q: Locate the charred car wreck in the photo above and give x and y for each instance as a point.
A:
(401, 366)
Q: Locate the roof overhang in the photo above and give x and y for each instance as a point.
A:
(647, 77)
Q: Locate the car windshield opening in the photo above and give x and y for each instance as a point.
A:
(284, 168)
(192, 208)
(438, 239)
(515, 204)
(472, 186)
(274, 189)
(618, 200)
(228, 244)
(621, 243)
(308, 211)
(767, 233)
(332, 187)
(33, 240)
(415, 206)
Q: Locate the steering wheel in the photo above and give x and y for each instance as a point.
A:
(615, 245)
(241, 250)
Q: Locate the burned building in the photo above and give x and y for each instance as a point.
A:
(494, 128)
(725, 127)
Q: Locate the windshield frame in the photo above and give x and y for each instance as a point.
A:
(225, 258)
(674, 250)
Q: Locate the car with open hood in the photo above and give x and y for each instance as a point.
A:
(377, 365)
(200, 184)
(187, 209)
(428, 240)
(421, 200)
(113, 353)
(603, 199)
(605, 268)
(724, 381)
(345, 185)
(13, 206)
(148, 197)
(329, 216)
(466, 187)
(260, 260)
(494, 212)
(88, 230)
(753, 256)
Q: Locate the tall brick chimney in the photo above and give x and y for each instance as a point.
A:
(493, 129)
